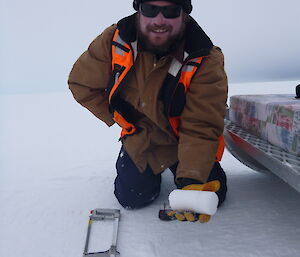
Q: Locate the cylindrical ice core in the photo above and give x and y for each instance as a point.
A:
(203, 202)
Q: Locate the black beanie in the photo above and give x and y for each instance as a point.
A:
(186, 4)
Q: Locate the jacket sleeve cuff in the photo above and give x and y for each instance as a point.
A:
(182, 182)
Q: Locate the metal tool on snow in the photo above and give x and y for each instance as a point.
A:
(100, 215)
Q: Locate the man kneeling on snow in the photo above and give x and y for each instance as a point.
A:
(160, 78)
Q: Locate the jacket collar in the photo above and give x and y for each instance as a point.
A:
(197, 43)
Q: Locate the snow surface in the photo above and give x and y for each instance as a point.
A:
(57, 162)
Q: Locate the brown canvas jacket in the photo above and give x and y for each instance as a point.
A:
(202, 120)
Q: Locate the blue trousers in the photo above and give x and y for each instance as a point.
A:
(134, 189)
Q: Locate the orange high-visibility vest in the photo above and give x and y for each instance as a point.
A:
(123, 56)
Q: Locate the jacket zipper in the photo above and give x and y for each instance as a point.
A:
(154, 61)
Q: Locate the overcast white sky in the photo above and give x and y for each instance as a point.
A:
(40, 40)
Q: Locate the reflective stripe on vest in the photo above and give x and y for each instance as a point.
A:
(123, 56)
(122, 62)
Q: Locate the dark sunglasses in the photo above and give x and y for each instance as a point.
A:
(169, 11)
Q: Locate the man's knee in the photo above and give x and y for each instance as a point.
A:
(133, 198)
(134, 189)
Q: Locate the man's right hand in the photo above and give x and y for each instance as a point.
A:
(212, 186)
